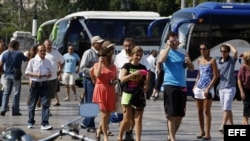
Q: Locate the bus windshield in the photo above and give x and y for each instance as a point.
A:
(44, 30)
(78, 28)
(116, 30)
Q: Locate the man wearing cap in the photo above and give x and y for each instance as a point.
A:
(89, 58)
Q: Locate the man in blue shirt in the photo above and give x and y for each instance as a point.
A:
(11, 59)
(174, 61)
(69, 71)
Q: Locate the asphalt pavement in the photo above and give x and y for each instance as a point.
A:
(154, 121)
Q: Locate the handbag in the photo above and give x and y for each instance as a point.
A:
(17, 74)
(116, 117)
(118, 105)
(118, 88)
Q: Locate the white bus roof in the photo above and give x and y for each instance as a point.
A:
(116, 15)
(48, 22)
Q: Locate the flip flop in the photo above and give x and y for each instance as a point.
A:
(110, 133)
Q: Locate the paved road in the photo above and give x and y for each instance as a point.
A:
(154, 122)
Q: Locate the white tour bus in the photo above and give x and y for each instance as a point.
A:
(78, 28)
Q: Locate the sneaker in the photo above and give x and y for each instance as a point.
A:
(57, 104)
(221, 129)
(152, 98)
(46, 127)
(30, 125)
(66, 99)
(75, 97)
(157, 96)
(16, 114)
(83, 126)
(129, 136)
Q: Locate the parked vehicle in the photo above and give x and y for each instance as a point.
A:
(215, 23)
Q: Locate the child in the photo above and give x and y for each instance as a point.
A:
(134, 79)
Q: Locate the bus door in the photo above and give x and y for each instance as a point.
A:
(156, 28)
(77, 37)
(157, 25)
(58, 33)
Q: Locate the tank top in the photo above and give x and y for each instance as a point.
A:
(206, 75)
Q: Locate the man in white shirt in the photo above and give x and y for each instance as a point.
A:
(124, 55)
(39, 71)
(57, 62)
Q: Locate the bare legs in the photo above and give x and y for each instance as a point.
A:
(138, 124)
(125, 125)
(173, 124)
(227, 117)
(245, 120)
(67, 98)
(103, 125)
(204, 107)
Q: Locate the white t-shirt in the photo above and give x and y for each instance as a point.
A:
(152, 60)
(122, 58)
(54, 57)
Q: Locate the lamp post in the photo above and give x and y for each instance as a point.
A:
(34, 23)
(73, 7)
(125, 5)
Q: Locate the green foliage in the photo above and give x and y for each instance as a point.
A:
(21, 19)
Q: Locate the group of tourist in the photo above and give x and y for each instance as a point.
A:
(140, 78)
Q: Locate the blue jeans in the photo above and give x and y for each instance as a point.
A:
(89, 88)
(39, 89)
(10, 83)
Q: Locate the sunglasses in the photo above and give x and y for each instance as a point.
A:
(102, 55)
(223, 51)
(203, 48)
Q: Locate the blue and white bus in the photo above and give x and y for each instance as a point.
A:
(78, 28)
(215, 23)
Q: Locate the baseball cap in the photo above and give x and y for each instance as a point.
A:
(96, 39)
(107, 44)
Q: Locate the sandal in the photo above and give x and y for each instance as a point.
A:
(98, 138)
(206, 138)
(110, 133)
(201, 136)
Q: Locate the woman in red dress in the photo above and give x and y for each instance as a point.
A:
(104, 73)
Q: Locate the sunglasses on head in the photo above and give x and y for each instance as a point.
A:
(102, 55)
